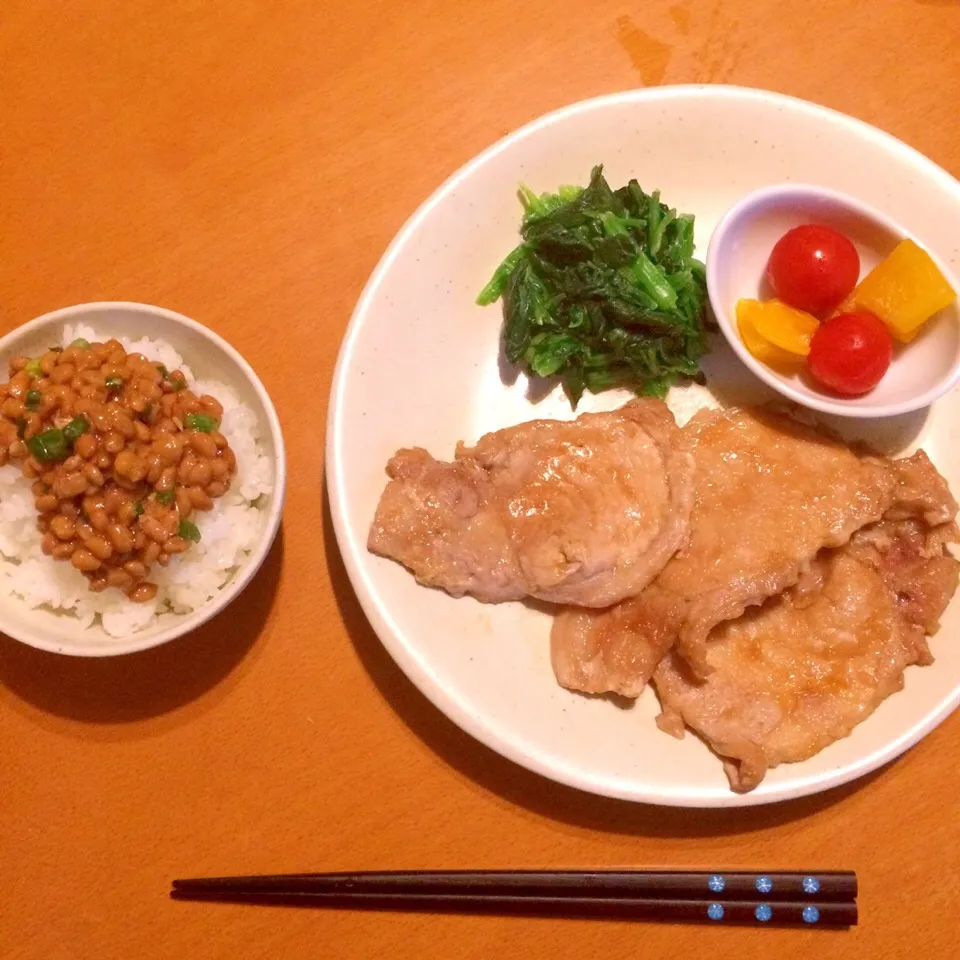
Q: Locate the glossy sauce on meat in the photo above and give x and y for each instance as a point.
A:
(769, 493)
(583, 512)
(791, 677)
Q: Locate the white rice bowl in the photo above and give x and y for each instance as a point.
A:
(229, 532)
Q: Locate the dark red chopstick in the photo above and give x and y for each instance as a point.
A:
(666, 884)
(825, 915)
(817, 899)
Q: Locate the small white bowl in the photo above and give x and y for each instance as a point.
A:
(209, 356)
(737, 257)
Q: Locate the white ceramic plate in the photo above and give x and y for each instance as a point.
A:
(419, 366)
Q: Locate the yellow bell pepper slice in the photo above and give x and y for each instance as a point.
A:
(788, 329)
(759, 346)
(905, 290)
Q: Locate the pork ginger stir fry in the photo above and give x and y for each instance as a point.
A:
(584, 512)
(122, 455)
(773, 581)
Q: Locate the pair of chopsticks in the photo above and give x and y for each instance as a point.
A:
(813, 899)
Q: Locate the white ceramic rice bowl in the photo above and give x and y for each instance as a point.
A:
(209, 357)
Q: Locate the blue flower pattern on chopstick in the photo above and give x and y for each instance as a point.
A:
(763, 912)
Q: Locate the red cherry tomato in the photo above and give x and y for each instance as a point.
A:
(850, 353)
(813, 268)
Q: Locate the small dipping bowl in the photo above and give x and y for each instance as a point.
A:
(920, 372)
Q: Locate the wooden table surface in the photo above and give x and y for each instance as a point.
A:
(247, 163)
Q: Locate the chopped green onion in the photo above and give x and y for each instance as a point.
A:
(49, 446)
(33, 368)
(81, 343)
(177, 382)
(189, 531)
(166, 497)
(21, 427)
(33, 400)
(75, 428)
(113, 383)
(201, 422)
(138, 508)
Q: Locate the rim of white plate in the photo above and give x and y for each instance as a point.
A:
(403, 654)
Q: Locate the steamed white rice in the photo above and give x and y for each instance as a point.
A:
(228, 532)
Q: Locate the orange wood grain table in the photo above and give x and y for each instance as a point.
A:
(246, 163)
